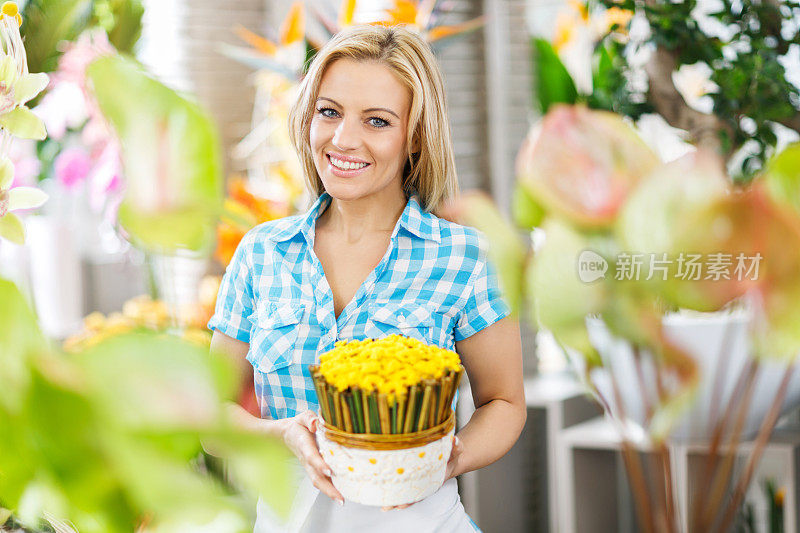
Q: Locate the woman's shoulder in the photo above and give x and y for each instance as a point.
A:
(454, 233)
(459, 238)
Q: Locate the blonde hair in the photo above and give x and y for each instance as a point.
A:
(431, 171)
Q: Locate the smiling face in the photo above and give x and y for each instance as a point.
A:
(358, 132)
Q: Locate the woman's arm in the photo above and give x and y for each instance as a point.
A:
(236, 351)
(297, 432)
(493, 361)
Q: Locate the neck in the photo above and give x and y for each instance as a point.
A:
(356, 219)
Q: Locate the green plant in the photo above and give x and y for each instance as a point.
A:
(49, 22)
(105, 438)
(744, 46)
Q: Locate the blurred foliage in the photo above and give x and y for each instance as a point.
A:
(170, 154)
(553, 84)
(46, 23)
(108, 438)
(753, 93)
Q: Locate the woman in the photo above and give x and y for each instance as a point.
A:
(370, 126)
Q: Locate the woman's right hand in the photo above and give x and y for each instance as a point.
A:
(299, 435)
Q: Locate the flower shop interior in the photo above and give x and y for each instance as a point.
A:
(634, 166)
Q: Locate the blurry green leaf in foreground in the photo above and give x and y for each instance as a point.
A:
(20, 339)
(525, 210)
(107, 438)
(506, 250)
(562, 300)
(170, 153)
(783, 177)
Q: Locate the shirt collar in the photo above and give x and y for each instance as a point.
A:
(413, 219)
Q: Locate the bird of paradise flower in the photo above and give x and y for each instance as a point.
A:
(281, 54)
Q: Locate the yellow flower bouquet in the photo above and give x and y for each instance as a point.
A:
(388, 421)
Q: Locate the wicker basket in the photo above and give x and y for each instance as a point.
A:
(386, 469)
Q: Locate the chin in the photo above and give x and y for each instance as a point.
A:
(343, 191)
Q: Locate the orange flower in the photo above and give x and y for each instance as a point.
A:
(292, 30)
(242, 211)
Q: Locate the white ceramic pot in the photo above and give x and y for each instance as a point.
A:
(702, 335)
(386, 477)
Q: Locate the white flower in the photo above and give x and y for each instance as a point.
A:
(694, 83)
(17, 85)
(14, 199)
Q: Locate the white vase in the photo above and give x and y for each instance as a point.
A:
(177, 277)
(703, 337)
(55, 275)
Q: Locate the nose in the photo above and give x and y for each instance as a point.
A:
(346, 136)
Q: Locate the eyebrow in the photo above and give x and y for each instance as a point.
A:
(365, 111)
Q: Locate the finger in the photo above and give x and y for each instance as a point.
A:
(324, 484)
(307, 419)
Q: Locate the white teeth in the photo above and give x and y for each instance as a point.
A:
(346, 165)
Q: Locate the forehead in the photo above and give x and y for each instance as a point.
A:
(363, 85)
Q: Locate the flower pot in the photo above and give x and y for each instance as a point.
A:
(720, 343)
(385, 470)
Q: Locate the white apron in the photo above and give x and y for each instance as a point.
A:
(313, 512)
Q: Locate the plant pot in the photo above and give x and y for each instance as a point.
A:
(702, 336)
(384, 470)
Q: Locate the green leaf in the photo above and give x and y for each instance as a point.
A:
(171, 157)
(25, 198)
(506, 251)
(30, 85)
(20, 339)
(6, 173)
(47, 23)
(258, 464)
(553, 83)
(12, 228)
(562, 300)
(22, 123)
(126, 16)
(783, 177)
(525, 210)
(144, 380)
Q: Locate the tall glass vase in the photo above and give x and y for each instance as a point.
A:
(175, 280)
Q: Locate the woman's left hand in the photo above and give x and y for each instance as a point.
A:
(457, 450)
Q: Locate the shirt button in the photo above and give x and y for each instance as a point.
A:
(401, 317)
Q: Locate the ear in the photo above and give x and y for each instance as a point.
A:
(415, 144)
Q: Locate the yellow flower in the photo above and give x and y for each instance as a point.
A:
(389, 365)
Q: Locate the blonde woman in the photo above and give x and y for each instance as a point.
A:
(370, 125)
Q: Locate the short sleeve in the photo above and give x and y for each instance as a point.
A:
(485, 305)
(235, 301)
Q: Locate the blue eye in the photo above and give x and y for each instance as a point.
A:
(328, 112)
(378, 122)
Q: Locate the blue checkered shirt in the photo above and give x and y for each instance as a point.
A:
(434, 283)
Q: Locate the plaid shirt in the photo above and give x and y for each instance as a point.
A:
(434, 283)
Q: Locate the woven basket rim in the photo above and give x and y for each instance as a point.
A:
(396, 441)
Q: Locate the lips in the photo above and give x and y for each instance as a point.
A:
(346, 166)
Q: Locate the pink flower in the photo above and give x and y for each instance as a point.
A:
(90, 45)
(105, 176)
(72, 166)
(582, 164)
(63, 106)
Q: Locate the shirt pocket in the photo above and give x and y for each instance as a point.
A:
(411, 319)
(273, 341)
